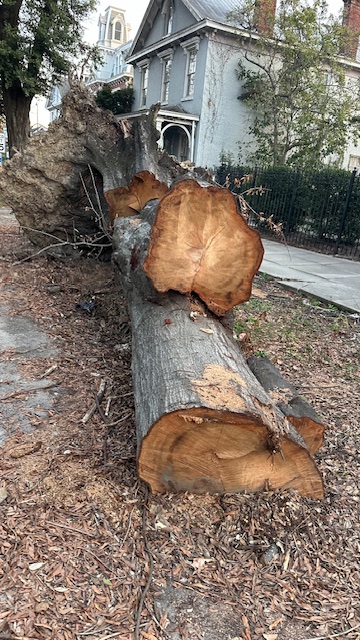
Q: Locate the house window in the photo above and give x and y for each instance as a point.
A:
(190, 49)
(190, 73)
(117, 31)
(354, 163)
(144, 80)
(166, 61)
(166, 80)
(168, 13)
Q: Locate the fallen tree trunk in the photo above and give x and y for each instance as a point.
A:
(204, 422)
(200, 243)
(289, 402)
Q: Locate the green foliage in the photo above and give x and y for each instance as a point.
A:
(303, 106)
(118, 102)
(40, 40)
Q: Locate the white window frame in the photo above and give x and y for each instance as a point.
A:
(166, 58)
(191, 48)
(143, 66)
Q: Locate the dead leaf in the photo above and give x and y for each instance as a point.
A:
(40, 607)
(204, 330)
(270, 636)
(3, 491)
(258, 293)
(25, 449)
(34, 566)
(61, 589)
(199, 563)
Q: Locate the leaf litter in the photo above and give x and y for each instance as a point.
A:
(81, 540)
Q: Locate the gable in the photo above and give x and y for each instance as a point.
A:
(186, 13)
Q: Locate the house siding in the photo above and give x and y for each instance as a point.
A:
(224, 118)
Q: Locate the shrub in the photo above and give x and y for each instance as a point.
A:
(119, 101)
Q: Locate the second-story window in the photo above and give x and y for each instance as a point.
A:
(166, 80)
(190, 49)
(144, 85)
(190, 74)
(166, 61)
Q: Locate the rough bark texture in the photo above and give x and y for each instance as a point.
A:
(204, 422)
(200, 243)
(289, 402)
(43, 184)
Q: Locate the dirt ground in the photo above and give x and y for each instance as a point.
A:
(87, 553)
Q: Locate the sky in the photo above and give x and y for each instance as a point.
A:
(135, 10)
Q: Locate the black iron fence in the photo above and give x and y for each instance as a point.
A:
(318, 210)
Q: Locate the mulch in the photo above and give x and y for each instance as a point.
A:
(87, 552)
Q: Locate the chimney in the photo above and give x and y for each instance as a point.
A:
(351, 19)
(265, 16)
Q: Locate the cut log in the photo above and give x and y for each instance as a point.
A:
(297, 410)
(204, 423)
(200, 243)
(128, 201)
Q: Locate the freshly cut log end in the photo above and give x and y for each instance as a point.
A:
(202, 450)
(128, 201)
(200, 243)
(297, 410)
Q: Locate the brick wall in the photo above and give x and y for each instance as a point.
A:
(265, 16)
(351, 19)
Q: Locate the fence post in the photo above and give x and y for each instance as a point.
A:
(346, 210)
(294, 195)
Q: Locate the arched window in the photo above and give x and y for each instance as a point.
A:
(117, 30)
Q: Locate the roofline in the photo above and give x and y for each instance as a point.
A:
(184, 33)
(214, 26)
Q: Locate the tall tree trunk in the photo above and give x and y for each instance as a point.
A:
(17, 110)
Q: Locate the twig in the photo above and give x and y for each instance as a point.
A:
(335, 635)
(100, 394)
(64, 526)
(116, 422)
(48, 371)
(98, 559)
(20, 392)
(151, 568)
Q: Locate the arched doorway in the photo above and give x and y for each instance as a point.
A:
(176, 140)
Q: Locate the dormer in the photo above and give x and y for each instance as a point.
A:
(113, 29)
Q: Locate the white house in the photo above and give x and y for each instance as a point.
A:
(114, 71)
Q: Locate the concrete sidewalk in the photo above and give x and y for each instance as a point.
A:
(330, 279)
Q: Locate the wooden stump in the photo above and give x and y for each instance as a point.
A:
(204, 422)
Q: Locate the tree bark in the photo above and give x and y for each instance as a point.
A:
(204, 423)
(297, 410)
(200, 243)
(17, 109)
